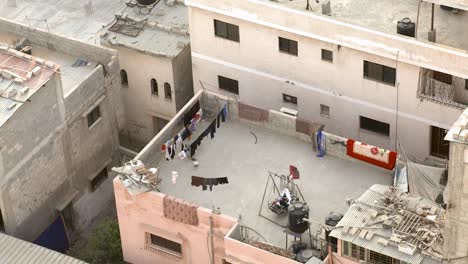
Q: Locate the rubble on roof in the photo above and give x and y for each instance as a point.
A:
(387, 220)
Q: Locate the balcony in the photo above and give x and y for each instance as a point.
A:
(443, 89)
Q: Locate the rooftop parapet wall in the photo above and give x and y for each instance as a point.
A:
(405, 49)
(56, 42)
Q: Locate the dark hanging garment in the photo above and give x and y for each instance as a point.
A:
(223, 115)
(185, 133)
(193, 148)
(191, 113)
(218, 120)
(197, 181)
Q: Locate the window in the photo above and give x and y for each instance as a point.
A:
(229, 85)
(439, 147)
(379, 73)
(287, 45)
(2, 224)
(324, 110)
(442, 77)
(154, 87)
(377, 258)
(226, 30)
(123, 78)
(374, 126)
(289, 99)
(94, 116)
(167, 91)
(353, 251)
(327, 55)
(98, 179)
(166, 245)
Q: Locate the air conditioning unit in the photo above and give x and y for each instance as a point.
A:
(288, 111)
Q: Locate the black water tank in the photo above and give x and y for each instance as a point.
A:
(297, 212)
(406, 27)
(146, 2)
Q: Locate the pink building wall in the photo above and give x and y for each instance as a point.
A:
(144, 213)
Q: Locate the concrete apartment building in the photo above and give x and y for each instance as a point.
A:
(152, 40)
(156, 68)
(58, 131)
(340, 63)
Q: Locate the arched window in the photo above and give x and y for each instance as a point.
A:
(123, 78)
(154, 87)
(167, 90)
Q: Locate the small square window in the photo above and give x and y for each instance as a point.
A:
(289, 99)
(324, 110)
(226, 30)
(94, 116)
(327, 55)
(288, 46)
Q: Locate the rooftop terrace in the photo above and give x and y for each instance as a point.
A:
(245, 152)
(161, 29)
(383, 15)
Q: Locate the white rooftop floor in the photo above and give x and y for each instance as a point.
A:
(325, 182)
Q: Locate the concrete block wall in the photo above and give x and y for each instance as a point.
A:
(16, 137)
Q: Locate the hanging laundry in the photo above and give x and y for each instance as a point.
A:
(168, 155)
(175, 175)
(224, 116)
(163, 147)
(182, 155)
(193, 125)
(185, 133)
(212, 129)
(193, 148)
(218, 120)
(208, 182)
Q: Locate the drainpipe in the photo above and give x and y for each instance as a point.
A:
(211, 239)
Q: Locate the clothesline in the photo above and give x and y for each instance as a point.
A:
(170, 147)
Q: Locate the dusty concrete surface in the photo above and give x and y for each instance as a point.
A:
(325, 182)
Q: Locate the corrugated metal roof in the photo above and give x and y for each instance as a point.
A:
(14, 250)
(358, 216)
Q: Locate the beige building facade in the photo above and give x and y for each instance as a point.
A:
(330, 70)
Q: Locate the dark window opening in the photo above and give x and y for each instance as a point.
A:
(226, 30)
(288, 46)
(442, 77)
(2, 224)
(167, 91)
(439, 147)
(94, 116)
(123, 78)
(169, 245)
(327, 55)
(379, 72)
(325, 110)
(374, 126)
(154, 87)
(466, 84)
(99, 179)
(289, 99)
(229, 85)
